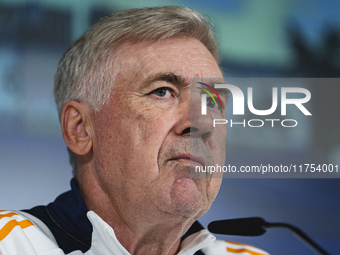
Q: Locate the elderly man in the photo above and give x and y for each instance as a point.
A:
(123, 97)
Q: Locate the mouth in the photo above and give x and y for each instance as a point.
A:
(189, 159)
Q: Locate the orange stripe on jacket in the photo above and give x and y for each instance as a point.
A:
(7, 215)
(11, 224)
(243, 250)
(240, 244)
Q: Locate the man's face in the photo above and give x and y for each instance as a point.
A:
(142, 135)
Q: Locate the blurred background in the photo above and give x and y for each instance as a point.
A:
(281, 38)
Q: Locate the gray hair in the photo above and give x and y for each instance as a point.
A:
(85, 72)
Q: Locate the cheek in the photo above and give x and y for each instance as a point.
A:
(152, 134)
(217, 144)
(133, 124)
(150, 124)
(134, 136)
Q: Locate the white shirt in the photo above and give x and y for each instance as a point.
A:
(24, 234)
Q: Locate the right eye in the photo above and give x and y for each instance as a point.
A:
(162, 92)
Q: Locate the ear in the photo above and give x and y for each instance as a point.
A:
(76, 125)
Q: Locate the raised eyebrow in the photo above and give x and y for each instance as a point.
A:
(225, 92)
(213, 81)
(169, 77)
(221, 90)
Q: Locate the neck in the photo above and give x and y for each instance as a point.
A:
(137, 232)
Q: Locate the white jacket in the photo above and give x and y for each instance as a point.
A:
(66, 227)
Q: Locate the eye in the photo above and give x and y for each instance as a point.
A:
(210, 103)
(162, 92)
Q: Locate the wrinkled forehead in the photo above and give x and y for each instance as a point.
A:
(188, 58)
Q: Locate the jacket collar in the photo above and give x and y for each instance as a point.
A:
(69, 212)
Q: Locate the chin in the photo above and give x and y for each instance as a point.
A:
(189, 209)
(188, 200)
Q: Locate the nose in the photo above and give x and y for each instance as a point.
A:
(191, 121)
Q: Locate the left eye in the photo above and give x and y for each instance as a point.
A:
(162, 92)
(210, 103)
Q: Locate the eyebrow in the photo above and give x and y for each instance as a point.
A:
(225, 92)
(169, 77)
(213, 81)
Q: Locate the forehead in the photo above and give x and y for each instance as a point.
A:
(188, 58)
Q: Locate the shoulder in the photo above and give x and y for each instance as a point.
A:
(226, 247)
(24, 234)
